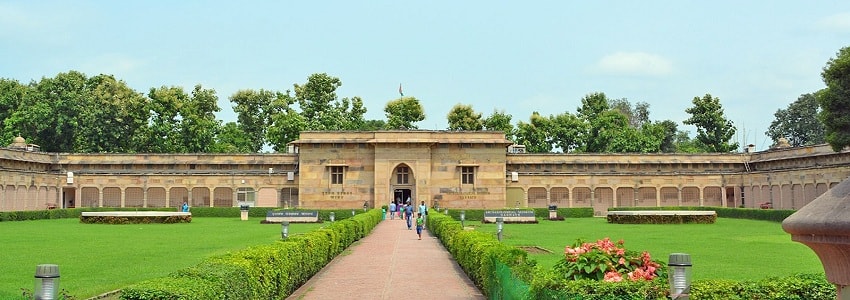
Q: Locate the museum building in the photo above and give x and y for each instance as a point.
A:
(454, 169)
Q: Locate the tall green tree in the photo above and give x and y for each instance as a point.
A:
(638, 114)
(198, 125)
(49, 114)
(464, 117)
(835, 100)
(603, 124)
(253, 112)
(12, 96)
(669, 130)
(798, 123)
(163, 134)
(113, 117)
(285, 122)
(403, 112)
(500, 121)
(534, 134)
(713, 129)
(231, 139)
(565, 131)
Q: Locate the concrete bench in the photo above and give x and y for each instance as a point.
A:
(662, 216)
(121, 217)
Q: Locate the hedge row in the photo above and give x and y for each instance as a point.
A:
(204, 212)
(541, 213)
(661, 219)
(135, 220)
(774, 215)
(478, 253)
(272, 271)
(482, 256)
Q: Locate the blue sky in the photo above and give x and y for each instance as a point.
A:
(519, 57)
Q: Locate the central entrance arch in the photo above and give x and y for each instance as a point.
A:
(403, 184)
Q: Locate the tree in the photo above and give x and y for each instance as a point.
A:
(48, 116)
(253, 112)
(231, 139)
(500, 121)
(603, 124)
(113, 118)
(198, 125)
(798, 123)
(835, 100)
(668, 141)
(12, 96)
(565, 131)
(463, 117)
(403, 112)
(713, 129)
(163, 133)
(637, 115)
(534, 134)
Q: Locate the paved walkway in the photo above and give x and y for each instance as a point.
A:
(391, 263)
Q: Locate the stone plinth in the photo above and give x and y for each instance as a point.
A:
(824, 226)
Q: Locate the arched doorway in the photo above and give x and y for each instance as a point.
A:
(403, 184)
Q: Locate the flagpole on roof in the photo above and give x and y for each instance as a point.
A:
(400, 91)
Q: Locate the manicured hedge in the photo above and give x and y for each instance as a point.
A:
(775, 215)
(272, 271)
(543, 213)
(135, 220)
(204, 212)
(479, 253)
(661, 219)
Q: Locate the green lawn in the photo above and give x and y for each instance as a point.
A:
(97, 258)
(729, 249)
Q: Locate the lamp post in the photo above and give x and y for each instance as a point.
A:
(462, 218)
(333, 216)
(365, 205)
(352, 212)
(284, 229)
(46, 281)
(499, 224)
(446, 211)
(679, 267)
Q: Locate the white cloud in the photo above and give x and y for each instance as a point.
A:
(634, 63)
(838, 22)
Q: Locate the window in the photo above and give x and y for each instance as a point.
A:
(467, 175)
(402, 175)
(336, 175)
(245, 194)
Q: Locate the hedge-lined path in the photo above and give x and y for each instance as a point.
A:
(391, 263)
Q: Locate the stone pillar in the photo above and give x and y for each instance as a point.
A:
(822, 226)
(100, 197)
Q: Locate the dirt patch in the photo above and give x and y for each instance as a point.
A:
(534, 249)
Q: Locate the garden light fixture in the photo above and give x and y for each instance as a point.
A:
(46, 281)
(680, 276)
(333, 216)
(352, 212)
(499, 223)
(462, 217)
(284, 229)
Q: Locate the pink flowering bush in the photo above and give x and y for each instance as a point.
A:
(608, 261)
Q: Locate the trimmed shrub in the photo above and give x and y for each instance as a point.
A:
(262, 272)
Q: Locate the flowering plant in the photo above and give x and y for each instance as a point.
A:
(608, 261)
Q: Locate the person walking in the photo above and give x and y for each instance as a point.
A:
(408, 215)
(423, 211)
(185, 207)
(392, 210)
(420, 222)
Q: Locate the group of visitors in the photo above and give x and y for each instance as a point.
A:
(405, 212)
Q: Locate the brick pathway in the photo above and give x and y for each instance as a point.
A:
(391, 263)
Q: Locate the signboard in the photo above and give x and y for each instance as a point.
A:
(294, 216)
(510, 216)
